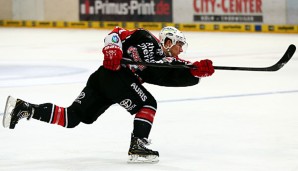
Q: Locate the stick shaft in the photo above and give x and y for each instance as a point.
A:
(285, 58)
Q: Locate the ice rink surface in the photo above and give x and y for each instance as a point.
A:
(232, 121)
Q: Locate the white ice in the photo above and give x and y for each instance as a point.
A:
(232, 121)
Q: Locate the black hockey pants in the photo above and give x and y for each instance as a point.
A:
(103, 89)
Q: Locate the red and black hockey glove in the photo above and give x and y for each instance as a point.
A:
(204, 68)
(112, 57)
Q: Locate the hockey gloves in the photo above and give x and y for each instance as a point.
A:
(204, 68)
(112, 57)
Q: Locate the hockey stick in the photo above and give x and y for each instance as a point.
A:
(285, 58)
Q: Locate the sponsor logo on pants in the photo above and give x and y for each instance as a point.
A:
(139, 91)
(127, 104)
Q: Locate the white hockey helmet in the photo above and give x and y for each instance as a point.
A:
(174, 35)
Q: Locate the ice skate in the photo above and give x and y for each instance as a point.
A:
(138, 153)
(15, 110)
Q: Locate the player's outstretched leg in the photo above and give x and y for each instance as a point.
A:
(15, 110)
(138, 153)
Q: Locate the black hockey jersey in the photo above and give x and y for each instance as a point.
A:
(140, 45)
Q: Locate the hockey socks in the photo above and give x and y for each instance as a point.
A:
(54, 114)
(143, 122)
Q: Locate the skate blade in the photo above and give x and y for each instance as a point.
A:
(135, 159)
(10, 105)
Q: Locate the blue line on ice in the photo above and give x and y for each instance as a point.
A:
(230, 96)
(227, 96)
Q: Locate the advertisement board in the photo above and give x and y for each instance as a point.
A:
(126, 10)
(230, 11)
(292, 10)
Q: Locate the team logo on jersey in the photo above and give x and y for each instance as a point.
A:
(115, 39)
(127, 104)
(133, 52)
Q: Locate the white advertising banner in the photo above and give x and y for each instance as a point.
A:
(292, 8)
(230, 11)
(28, 9)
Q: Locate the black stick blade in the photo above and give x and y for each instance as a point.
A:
(285, 59)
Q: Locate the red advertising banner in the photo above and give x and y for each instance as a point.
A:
(126, 10)
(228, 10)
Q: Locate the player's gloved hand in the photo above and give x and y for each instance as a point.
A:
(112, 57)
(204, 68)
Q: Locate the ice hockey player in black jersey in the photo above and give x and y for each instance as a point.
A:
(114, 82)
